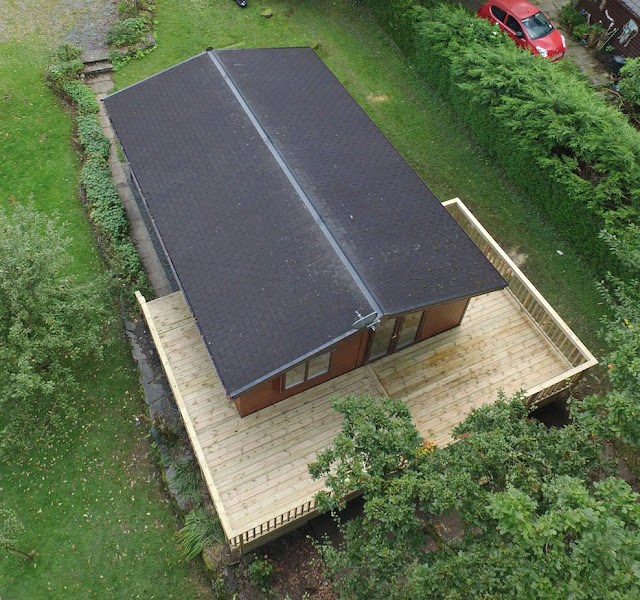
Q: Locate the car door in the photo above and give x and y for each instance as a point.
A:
(509, 24)
(514, 28)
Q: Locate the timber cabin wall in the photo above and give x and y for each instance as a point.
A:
(622, 14)
(443, 316)
(347, 356)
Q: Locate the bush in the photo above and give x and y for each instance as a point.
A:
(260, 572)
(84, 98)
(105, 208)
(65, 64)
(629, 85)
(90, 134)
(576, 157)
(397, 18)
(570, 17)
(200, 530)
(128, 32)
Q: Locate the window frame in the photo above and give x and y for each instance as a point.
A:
(307, 378)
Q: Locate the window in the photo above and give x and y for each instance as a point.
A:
(498, 13)
(314, 367)
(410, 324)
(514, 25)
(394, 334)
(537, 26)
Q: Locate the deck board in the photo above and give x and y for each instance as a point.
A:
(258, 464)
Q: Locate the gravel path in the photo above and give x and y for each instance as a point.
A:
(52, 22)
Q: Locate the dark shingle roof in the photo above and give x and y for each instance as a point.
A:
(264, 282)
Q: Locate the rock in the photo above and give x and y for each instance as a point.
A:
(152, 393)
(161, 406)
(217, 558)
(267, 13)
(310, 583)
(146, 372)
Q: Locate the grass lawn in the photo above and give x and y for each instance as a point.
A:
(415, 121)
(91, 501)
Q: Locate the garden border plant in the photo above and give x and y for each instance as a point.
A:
(131, 36)
(104, 207)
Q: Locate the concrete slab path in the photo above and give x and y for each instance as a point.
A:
(101, 85)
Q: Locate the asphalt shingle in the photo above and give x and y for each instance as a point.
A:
(265, 284)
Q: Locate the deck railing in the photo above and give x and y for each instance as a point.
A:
(557, 332)
(245, 539)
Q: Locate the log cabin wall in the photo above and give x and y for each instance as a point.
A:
(345, 357)
(617, 14)
(443, 317)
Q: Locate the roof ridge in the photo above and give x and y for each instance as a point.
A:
(282, 163)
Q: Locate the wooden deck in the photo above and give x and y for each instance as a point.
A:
(256, 467)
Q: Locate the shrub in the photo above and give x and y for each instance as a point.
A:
(575, 156)
(65, 64)
(105, 208)
(397, 18)
(629, 85)
(128, 32)
(90, 134)
(260, 572)
(83, 97)
(570, 17)
(200, 530)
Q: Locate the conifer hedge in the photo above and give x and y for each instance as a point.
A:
(576, 157)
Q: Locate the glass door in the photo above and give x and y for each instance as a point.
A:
(395, 334)
(382, 338)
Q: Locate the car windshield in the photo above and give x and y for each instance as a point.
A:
(537, 26)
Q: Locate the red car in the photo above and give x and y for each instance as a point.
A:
(527, 25)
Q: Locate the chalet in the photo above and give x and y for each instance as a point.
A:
(310, 260)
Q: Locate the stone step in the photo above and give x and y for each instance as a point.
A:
(97, 68)
(94, 56)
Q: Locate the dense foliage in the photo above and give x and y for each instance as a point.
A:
(531, 522)
(629, 85)
(128, 32)
(616, 415)
(64, 65)
(105, 208)
(576, 157)
(49, 322)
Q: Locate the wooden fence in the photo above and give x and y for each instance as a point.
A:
(557, 332)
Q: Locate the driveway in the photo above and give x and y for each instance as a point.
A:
(53, 22)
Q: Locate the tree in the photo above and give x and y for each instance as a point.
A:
(615, 415)
(10, 527)
(532, 523)
(50, 323)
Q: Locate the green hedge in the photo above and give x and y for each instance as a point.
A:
(575, 156)
(95, 144)
(105, 208)
(82, 96)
